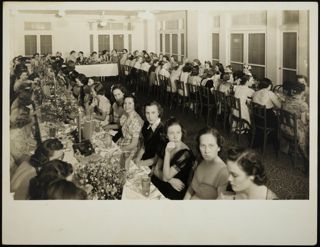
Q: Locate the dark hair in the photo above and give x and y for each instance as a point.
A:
(250, 162)
(295, 87)
(197, 61)
(174, 121)
(212, 131)
(264, 83)
(62, 189)
(166, 57)
(148, 59)
(83, 79)
(225, 77)
(44, 151)
(21, 72)
(50, 172)
(244, 79)
(187, 67)
(81, 52)
(34, 55)
(121, 88)
(195, 70)
(94, 52)
(71, 52)
(135, 101)
(157, 104)
(221, 68)
(208, 62)
(125, 50)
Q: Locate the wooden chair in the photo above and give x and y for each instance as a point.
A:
(222, 107)
(127, 70)
(288, 130)
(182, 99)
(242, 126)
(259, 122)
(207, 101)
(194, 97)
(145, 81)
(163, 88)
(169, 95)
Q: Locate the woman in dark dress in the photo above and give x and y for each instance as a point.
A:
(152, 132)
(174, 163)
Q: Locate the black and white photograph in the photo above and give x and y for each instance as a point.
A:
(160, 123)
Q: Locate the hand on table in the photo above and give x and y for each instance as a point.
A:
(177, 184)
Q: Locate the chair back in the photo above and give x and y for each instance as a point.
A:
(181, 88)
(234, 104)
(222, 100)
(278, 89)
(127, 69)
(206, 97)
(193, 91)
(287, 124)
(162, 79)
(167, 84)
(258, 115)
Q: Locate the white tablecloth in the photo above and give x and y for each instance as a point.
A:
(110, 69)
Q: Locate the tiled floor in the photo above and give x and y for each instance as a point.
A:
(287, 182)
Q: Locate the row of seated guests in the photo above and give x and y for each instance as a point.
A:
(94, 58)
(172, 162)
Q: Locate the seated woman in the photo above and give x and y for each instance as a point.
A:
(22, 78)
(174, 162)
(131, 125)
(72, 56)
(93, 59)
(81, 59)
(270, 100)
(296, 104)
(225, 85)
(62, 189)
(244, 93)
(124, 56)
(102, 106)
(211, 173)
(152, 131)
(194, 78)
(247, 177)
(19, 182)
(22, 141)
(175, 75)
(119, 92)
(35, 62)
(304, 80)
(114, 58)
(165, 70)
(152, 73)
(186, 71)
(207, 67)
(50, 173)
(219, 69)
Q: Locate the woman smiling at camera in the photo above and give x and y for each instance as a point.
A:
(247, 176)
(131, 125)
(212, 172)
(174, 163)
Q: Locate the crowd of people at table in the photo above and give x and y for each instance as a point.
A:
(147, 139)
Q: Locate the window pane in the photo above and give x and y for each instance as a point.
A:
(257, 71)
(290, 17)
(46, 44)
(30, 44)
(257, 48)
(167, 43)
(215, 45)
(130, 42)
(236, 66)
(290, 50)
(237, 47)
(91, 43)
(182, 44)
(103, 42)
(160, 42)
(118, 42)
(289, 76)
(174, 43)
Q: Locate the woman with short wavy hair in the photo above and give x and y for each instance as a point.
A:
(247, 175)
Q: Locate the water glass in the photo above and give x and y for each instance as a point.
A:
(145, 184)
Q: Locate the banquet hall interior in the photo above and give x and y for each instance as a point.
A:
(84, 84)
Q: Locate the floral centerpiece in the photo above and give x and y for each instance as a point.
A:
(105, 177)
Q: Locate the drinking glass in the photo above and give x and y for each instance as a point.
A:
(145, 184)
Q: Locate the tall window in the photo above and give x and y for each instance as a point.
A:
(46, 44)
(248, 48)
(236, 51)
(171, 38)
(118, 42)
(30, 44)
(215, 48)
(103, 42)
(289, 61)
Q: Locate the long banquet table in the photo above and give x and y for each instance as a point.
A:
(132, 187)
(100, 70)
